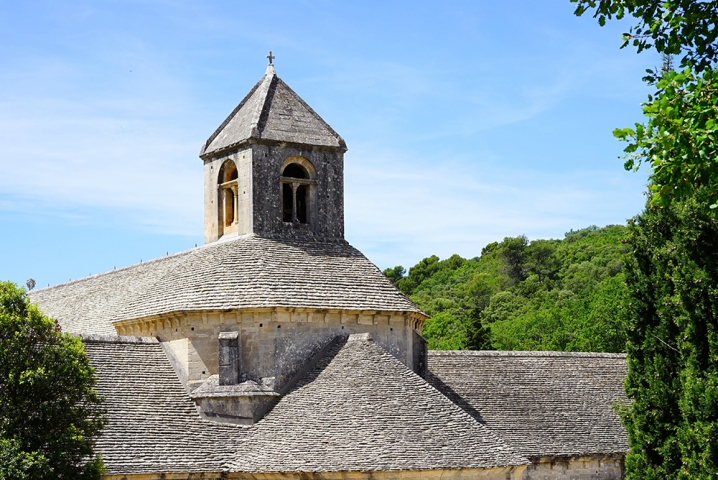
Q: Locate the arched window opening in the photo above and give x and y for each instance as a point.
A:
(302, 204)
(228, 172)
(229, 207)
(287, 203)
(296, 186)
(294, 171)
(227, 190)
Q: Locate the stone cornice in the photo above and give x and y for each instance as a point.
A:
(148, 326)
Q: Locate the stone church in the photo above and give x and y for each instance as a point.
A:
(278, 351)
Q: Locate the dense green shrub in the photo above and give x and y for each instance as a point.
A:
(50, 413)
(672, 344)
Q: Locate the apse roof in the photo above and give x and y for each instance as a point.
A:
(272, 112)
(246, 272)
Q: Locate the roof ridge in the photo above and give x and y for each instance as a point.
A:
(340, 140)
(254, 120)
(522, 353)
(143, 263)
(118, 339)
(261, 123)
(231, 116)
(364, 365)
(102, 274)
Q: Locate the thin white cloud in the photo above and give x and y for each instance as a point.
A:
(457, 206)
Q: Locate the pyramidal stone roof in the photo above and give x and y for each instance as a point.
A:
(544, 403)
(361, 409)
(153, 425)
(358, 410)
(272, 112)
(246, 272)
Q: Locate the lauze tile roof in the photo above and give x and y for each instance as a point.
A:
(544, 403)
(153, 426)
(247, 272)
(358, 410)
(361, 409)
(272, 111)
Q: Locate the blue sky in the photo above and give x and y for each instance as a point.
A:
(466, 121)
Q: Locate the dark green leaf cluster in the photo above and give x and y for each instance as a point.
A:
(520, 295)
(50, 412)
(676, 27)
(680, 139)
(672, 345)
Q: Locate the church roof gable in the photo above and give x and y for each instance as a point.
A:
(361, 409)
(544, 403)
(272, 111)
(153, 426)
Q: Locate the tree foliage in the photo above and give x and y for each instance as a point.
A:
(675, 27)
(672, 347)
(520, 295)
(680, 139)
(50, 413)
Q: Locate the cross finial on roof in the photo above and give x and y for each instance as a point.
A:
(270, 57)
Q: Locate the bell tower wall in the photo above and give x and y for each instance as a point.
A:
(325, 205)
(255, 201)
(216, 189)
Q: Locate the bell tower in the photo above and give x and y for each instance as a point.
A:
(273, 168)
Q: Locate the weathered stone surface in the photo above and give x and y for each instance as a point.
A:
(597, 467)
(259, 201)
(360, 409)
(271, 111)
(153, 424)
(545, 403)
(357, 410)
(247, 272)
(228, 358)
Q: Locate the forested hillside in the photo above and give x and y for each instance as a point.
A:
(519, 295)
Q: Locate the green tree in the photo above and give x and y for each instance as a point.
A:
(569, 299)
(679, 141)
(50, 413)
(541, 259)
(672, 348)
(676, 27)
(513, 253)
(418, 273)
(395, 274)
(480, 289)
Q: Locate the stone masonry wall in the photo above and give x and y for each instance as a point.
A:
(259, 193)
(502, 473)
(273, 342)
(213, 228)
(328, 205)
(576, 468)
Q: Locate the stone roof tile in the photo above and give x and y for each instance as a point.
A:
(246, 272)
(545, 403)
(153, 426)
(272, 111)
(361, 409)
